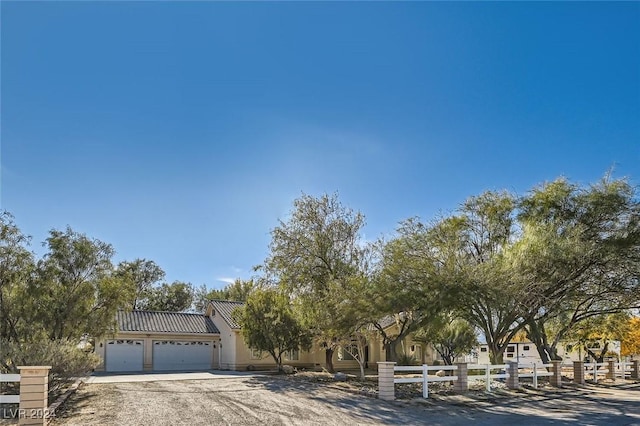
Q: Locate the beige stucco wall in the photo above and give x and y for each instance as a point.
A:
(148, 339)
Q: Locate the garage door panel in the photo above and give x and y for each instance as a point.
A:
(182, 355)
(124, 355)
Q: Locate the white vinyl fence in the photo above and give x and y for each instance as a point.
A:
(425, 377)
(512, 373)
(534, 371)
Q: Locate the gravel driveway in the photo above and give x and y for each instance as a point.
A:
(249, 400)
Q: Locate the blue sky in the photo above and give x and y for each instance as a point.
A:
(182, 132)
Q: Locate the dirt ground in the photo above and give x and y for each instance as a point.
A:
(250, 400)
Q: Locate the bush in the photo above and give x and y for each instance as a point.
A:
(67, 361)
(405, 359)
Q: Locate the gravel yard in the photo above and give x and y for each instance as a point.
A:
(248, 400)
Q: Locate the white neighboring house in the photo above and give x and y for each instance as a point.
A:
(576, 352)
(527, 352)
(521, 352)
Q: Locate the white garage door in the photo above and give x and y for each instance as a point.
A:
(182, 355)
(124, 355)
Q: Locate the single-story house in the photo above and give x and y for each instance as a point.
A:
(164, 341)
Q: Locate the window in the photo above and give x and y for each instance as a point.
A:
(344, 355)
(483, 349)
(293, 355)
(256, 354)
(511, 349)
(525, 348)
(509, 355)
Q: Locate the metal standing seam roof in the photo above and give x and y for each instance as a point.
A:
(165, 322)
(225, 308)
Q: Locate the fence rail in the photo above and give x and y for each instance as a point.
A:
(9, 399)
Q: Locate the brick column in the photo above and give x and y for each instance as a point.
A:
(635, 369)
(513, 380)
(578, 372)
(386, 388)
(556, 378)
(34, 389)
(611, 366)
(462, 384)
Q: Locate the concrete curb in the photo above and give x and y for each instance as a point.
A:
(62, 398)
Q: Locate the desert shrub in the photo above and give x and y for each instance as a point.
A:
(405, 359)
(67, 361)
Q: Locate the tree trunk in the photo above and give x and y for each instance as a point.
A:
(328, 359)
(361, 364)
(538, 336)
(390, 350)
(496, 353)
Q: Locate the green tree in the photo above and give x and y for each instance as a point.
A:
(177, 296)
(17, 267)
(75, 291)
(317, 250)
(353, 319)
(579, 256)
(269, 324)
(451, 337)
(237, 291)
(144, 274)
(470, 252)
(407, 288)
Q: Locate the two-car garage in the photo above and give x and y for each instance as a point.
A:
(161, 341)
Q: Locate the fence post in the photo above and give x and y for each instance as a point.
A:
(512, 371)
(425, 381)
(386, 388)
(578, 372)
(462, 384)
(34, 393)
(535, 375)
(556, 378)
(595, 372)
(611, 366)
(488, 378)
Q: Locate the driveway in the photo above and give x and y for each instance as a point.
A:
(257, 400)
(99, 378)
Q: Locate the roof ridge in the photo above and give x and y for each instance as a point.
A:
(161, 312)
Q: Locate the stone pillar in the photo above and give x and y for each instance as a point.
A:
(556, 378)
(386, 388)
(462, 384)
(512, 370)
(611, 366)
(578, 372)
(635, 369)
(34, 390)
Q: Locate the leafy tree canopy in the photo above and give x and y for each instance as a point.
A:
(268, 324)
